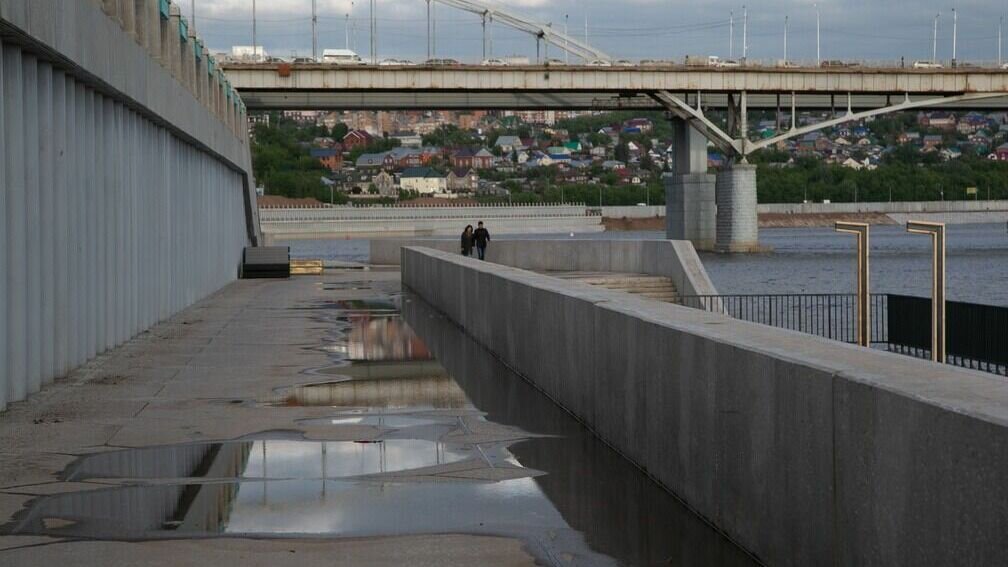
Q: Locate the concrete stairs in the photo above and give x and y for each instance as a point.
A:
(658, 288)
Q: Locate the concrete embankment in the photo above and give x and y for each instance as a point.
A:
(789, 215)
(803, 450)
(672, 259)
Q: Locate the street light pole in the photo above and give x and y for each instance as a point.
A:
(785, 39)
(314, 30)
(255, 48)
(934, 40)
(1000, 29)
(745, 33)
(818, 52)
(955, 32)
(731, 35)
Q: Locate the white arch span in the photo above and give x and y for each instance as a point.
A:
(540, 31)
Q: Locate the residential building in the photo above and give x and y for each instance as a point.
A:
(423, 180)
(469, 158)
(385, 183)
(463, 180)
(331, 158)
(408, 139)
(355, 138)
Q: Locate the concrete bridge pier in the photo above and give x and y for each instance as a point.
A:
(689, 190)
(737, 223)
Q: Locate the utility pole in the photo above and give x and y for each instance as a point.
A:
(731, 35)
(785, 39)
(255, 46)
(374, 31)
(818, 51)
(745, 33)
(934, 40)
(314, 30)
(566, 52)
(955, 30)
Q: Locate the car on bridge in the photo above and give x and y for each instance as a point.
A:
(599, 63)
(441, 62)
(927, 65)
(494, 62)
(341, 57)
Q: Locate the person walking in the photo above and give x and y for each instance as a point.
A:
(481, 237)
(467, 240)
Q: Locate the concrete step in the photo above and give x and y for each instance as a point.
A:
(657, 288)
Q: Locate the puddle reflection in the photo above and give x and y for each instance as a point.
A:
(456, 445)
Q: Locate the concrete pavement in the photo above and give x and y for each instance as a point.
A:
(203, 375)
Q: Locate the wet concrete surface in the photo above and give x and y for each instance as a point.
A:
(310, 411)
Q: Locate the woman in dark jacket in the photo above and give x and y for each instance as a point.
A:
(467, 240)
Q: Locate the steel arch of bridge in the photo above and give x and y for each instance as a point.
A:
(735, 144)
(542, 32)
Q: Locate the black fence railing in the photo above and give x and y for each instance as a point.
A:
(827, 315)
(977, 335)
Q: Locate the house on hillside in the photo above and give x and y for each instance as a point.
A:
(408, 139)
(373, 161)
(331, 158)
(423, 180)
(356, 138)
(463, 180)
(932, 141)
(468, 158)
(385, 183)
(508, 144)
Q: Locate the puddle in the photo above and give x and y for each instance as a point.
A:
(455, 443)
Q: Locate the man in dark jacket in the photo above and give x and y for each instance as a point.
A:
(481, 237)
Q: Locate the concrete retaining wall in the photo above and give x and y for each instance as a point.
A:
(674, 259)
(896, 207)
(634, 212)
(803, 450)
(111, 218)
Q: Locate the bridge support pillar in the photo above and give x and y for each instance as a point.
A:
(737, 223)
(690, 209)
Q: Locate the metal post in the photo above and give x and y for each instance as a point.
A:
(566, 52)
(372, 29)
(937, 232)
(314, 29)
(745, 33)
(346, 29)
(863, 323)
(955, 32)
(192, 13)
(1000, 30)
(428, 30)
(934, 40)
(731, 35)
(785, 39)
(255, 50)
(818, 51)
(484, 36)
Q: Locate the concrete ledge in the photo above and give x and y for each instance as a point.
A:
(804, 450)
(674, 259)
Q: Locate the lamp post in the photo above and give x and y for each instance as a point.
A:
(863, 323)
(937, 232)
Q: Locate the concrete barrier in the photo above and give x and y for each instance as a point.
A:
(885, 208)
(674, 259)
(803, 450)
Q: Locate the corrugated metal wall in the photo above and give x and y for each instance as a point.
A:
(108, 223)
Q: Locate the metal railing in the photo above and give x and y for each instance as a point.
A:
(977, 334)
(827, 315)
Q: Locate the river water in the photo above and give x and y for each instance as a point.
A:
(816, 260)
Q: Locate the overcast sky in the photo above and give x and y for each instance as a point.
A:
(631, 29)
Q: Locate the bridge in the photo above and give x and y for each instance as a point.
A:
(689, 94)
(154, 409)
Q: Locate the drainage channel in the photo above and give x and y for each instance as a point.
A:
(445, 440)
